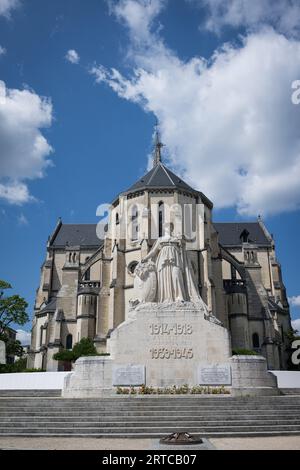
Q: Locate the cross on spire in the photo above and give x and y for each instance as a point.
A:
(157, 149)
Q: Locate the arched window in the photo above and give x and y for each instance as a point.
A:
(255, 341)
(132, 266)
(161, 218)
(70, 257)
(134, 223)
(69, 342)
(74, 257)
(41, 335)
(87, 274)
(117, 219)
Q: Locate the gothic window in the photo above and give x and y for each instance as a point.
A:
(233, 272)
(69, 342)
(117, 219)
(41, 335)
(134, 223)
(161, 219)
(255, 341)
(87, 274)
(188, 221)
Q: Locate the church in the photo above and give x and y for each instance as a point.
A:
(87, 284)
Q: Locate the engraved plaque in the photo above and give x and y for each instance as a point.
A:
(217, 374)
(128, 374)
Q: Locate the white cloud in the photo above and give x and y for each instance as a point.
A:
(24, 337)
(72, 56)
(22, 220)
(284, 15)
(296, 325)
(228, 122)
(138, 16)
(24, 150)
(6, 7)
(295, 301)
(2, 51)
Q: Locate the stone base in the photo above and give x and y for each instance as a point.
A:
(165, 345)
(255, 392)
(250, 377)
(172, 341)
(92, 377)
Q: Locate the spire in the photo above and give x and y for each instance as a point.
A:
(157, 149)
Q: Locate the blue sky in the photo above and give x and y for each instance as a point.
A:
(216, 75)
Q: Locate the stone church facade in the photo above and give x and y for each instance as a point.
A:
(87, 278)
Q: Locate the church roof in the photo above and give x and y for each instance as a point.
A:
(50, 306)
(230, 233)
(160, 177)
(76, 235)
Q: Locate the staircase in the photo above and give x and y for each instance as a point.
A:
(150, 416)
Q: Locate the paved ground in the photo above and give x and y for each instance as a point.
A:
(52, 443)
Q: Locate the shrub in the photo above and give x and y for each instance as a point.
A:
(18, 366)
(85, 347)
(244, 352)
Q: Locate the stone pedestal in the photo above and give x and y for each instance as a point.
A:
(92, 377)
(171, 341)
(250, 376)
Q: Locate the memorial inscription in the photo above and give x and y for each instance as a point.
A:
(128, 375)
(174, 328)
(176, 336)
(217, 374)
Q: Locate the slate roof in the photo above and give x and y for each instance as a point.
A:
(230, 233)
(50, 306)
(76, 235)
(160, 177)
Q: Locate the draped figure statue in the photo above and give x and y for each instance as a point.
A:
(174, 280)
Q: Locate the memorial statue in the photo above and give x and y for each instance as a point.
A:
(165, 274)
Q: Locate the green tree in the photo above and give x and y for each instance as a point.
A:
(12, 310)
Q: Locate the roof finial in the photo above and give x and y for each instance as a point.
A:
(158, 145)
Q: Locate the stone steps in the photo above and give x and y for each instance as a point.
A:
(150, 416)
(140, 424)
(30, 393)
(138, 418)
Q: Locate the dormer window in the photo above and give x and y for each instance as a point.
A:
(244, 237)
